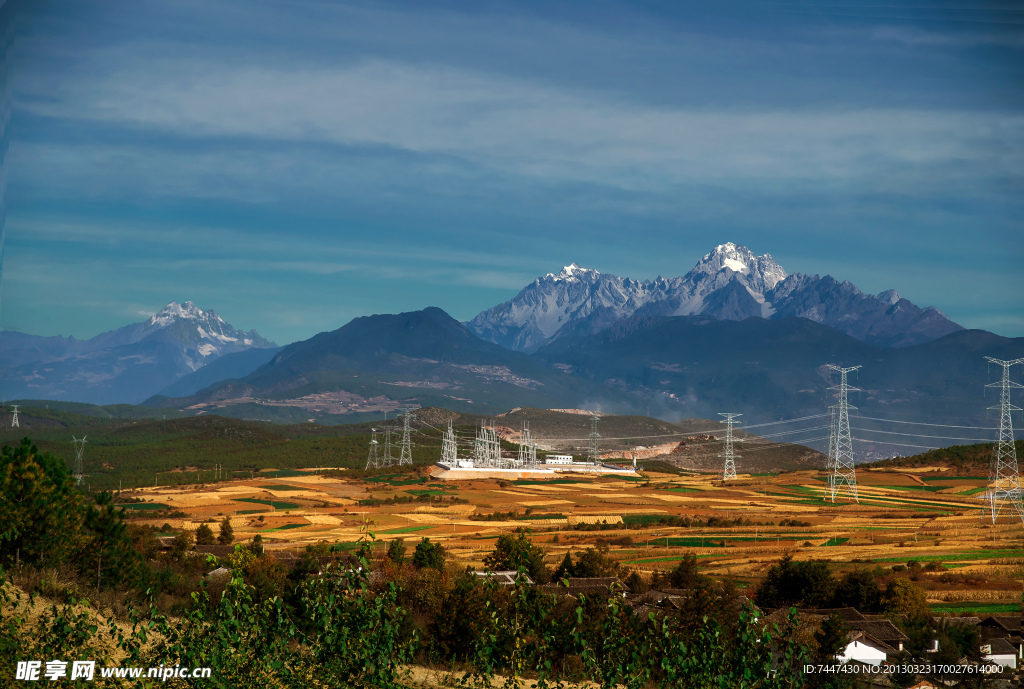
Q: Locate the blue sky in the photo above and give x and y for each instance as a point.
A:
(294, 165)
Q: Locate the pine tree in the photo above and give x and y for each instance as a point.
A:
(565, 570)
(227, 534)
(204, 535)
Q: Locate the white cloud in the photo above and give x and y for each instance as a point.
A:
(515, 125)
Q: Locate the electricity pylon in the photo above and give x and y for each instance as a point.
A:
(79, 472)
(1004, 475)
(388, 459)
(373, 461)
(594, 437)
(14, 419)
(841, 468)
(405, 447)
(833, 433)
(527, 449)
(729, 472)
(449, 449)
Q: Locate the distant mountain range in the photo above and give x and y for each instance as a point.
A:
(730, 283)
(129, 364)
(736, 333)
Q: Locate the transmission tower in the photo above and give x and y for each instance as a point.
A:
(405, 447)
(14, 419)
(841, 469)
(388, 460)
(373, 461)
(729, 472)
(79, 472)
(594, 437)
(833, 434)
(449, 448)
(1004, 476)
(527, 449)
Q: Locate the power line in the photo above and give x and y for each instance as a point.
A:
(919, 435)
(921, 423)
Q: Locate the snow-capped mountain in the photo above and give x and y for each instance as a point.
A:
(730, 283)
(128, 364)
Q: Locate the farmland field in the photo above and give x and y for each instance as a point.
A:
(736, 530)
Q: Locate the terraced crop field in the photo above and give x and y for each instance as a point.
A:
(736, 530)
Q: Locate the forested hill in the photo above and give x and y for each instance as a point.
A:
(964, 459)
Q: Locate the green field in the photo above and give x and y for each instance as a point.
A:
(144, 506)
(988, 608)
(835, 541)
(270, 503)
(953, 557)
(281, 486)
(286, 527)
(432, 491)
(405, 529)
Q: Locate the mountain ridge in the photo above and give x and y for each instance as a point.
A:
(730, 283)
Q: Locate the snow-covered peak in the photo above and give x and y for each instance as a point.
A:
(761, 273)
(175, 311)
(889, 296)
(573, 271)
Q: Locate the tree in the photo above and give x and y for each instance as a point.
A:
(396, 551)
(182, 542)
(109, 544)
(596, 562)
(859, 589)
(227, 534)
(256, 545)
(429, 555)
(685, 574)
(41, 513)
(512, 553)
(204, 535)
(565, 570)
(904, 597)
(789, 583)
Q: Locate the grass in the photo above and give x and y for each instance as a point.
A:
(270, 503)
(281, 486)
(930, 489)
(974, 491)
(406, 529)
(545, 482)
(685, 490)
(990, 608)
(688, 542)
(977, 555)
(250, 512)
(282, 473)
(669, 558)
(144, 506)
(644, 519)
(836, 540)
(956, 478)
(286, 527)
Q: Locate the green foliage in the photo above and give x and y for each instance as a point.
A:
(790, 582)
(227, 534)
(515, 553)
(396, 551)
(204, 535)
(429, 555)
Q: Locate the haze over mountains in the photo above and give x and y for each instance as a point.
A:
(736, 333)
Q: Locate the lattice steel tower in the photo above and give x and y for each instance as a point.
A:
(833, 433)
(1004, 475)
(405, 447)
(79, 472)
(729, 472)
(14, 419)
(527, 449)
(449, 448)
(373, 461)
(388, 460)
(841, 468)
(594, 437)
